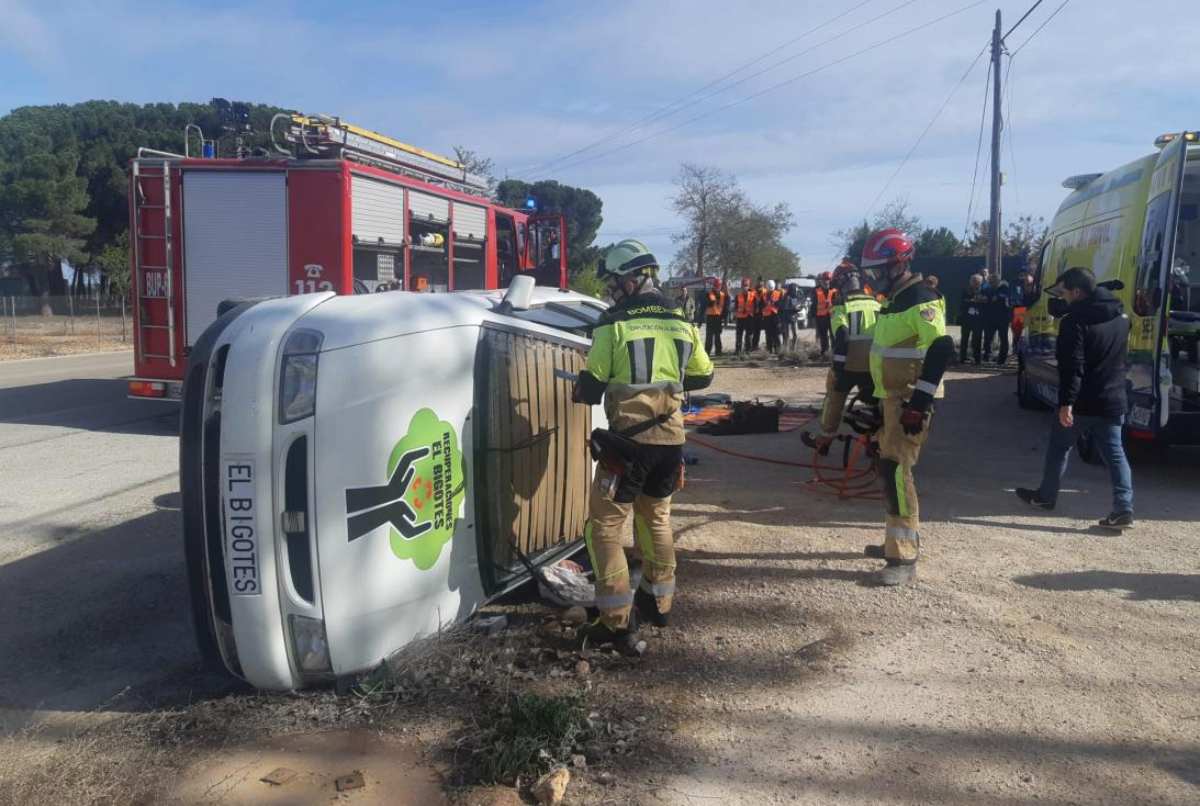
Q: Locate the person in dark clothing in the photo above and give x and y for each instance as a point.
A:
(1093, 336)
(997, 316)
(970, 319)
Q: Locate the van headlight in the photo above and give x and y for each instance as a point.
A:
(298, 375)
(312, 649)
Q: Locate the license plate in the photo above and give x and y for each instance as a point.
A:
(241, 527)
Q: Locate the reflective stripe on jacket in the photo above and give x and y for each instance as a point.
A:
(646, 353)
(913, 320)
(857, 313)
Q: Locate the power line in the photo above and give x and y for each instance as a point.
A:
(675, 106)
(1039, 29)
(777, 86)
(987, 85)
(1023, 18)
(1007, 123)
(924, 132)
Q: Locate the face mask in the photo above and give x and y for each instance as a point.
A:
(1057, 307)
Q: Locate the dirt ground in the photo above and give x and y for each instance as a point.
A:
(1034, 660)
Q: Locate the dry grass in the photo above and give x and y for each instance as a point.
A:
(32, 336)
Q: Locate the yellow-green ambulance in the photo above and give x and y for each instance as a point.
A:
(1137, 225)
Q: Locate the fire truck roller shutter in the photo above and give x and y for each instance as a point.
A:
(376, 212)
(425, 207)
(235, 241)
(470, 221)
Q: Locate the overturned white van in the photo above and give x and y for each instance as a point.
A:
(358, 471)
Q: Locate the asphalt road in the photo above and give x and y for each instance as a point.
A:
(93, 601)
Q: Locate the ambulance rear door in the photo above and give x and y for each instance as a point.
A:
(1149, 374)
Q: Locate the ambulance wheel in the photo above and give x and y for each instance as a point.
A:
(1145, 452)
(1025, 398)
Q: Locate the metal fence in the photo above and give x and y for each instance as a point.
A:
(48, 321)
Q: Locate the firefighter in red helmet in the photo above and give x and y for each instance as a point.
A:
(909, 354)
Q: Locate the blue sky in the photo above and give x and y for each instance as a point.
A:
(529, 82)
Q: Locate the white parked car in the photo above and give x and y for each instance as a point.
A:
(358, 471)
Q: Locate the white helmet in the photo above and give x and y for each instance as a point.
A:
(770, 285)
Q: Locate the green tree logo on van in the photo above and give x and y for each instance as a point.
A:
(420, 502)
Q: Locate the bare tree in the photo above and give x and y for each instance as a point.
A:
(475, 163)
(893, 214)
(704, 194)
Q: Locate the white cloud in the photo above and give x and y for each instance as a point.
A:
(1091, 91)
(25, 32)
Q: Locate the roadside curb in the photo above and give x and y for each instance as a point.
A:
(6, 361)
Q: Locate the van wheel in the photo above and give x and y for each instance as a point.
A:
(1025, 398)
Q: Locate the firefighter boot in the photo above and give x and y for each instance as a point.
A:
(624, 639)
(647, 609)
(896, 572)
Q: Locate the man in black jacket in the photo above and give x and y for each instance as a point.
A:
(997, 316)
(1093, 336)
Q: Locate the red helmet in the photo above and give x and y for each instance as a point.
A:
(826, 276)
(847, 276)
(717, 283)
(887, 247)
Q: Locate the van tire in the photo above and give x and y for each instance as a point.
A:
(1025, 398)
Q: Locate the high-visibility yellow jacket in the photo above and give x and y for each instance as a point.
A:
(903, 361)
(853, 324)
(644, 355)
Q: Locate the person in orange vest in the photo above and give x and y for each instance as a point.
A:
(717, 301)
(760, 296)
(744, 305)
(824, 297)
(770, 315)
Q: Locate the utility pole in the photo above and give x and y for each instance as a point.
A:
(994, 263)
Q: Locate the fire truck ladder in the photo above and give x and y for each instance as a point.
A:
(152, 224)
(324, 136)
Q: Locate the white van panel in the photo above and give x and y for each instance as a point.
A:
(234, 241)
(376, 211)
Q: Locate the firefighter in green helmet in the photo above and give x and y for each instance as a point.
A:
(644, 356)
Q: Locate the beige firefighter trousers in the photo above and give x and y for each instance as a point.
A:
(605, 535)
(898, 455)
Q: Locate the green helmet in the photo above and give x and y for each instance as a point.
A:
(626, 258)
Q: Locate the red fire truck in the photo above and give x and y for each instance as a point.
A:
(334, 207)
